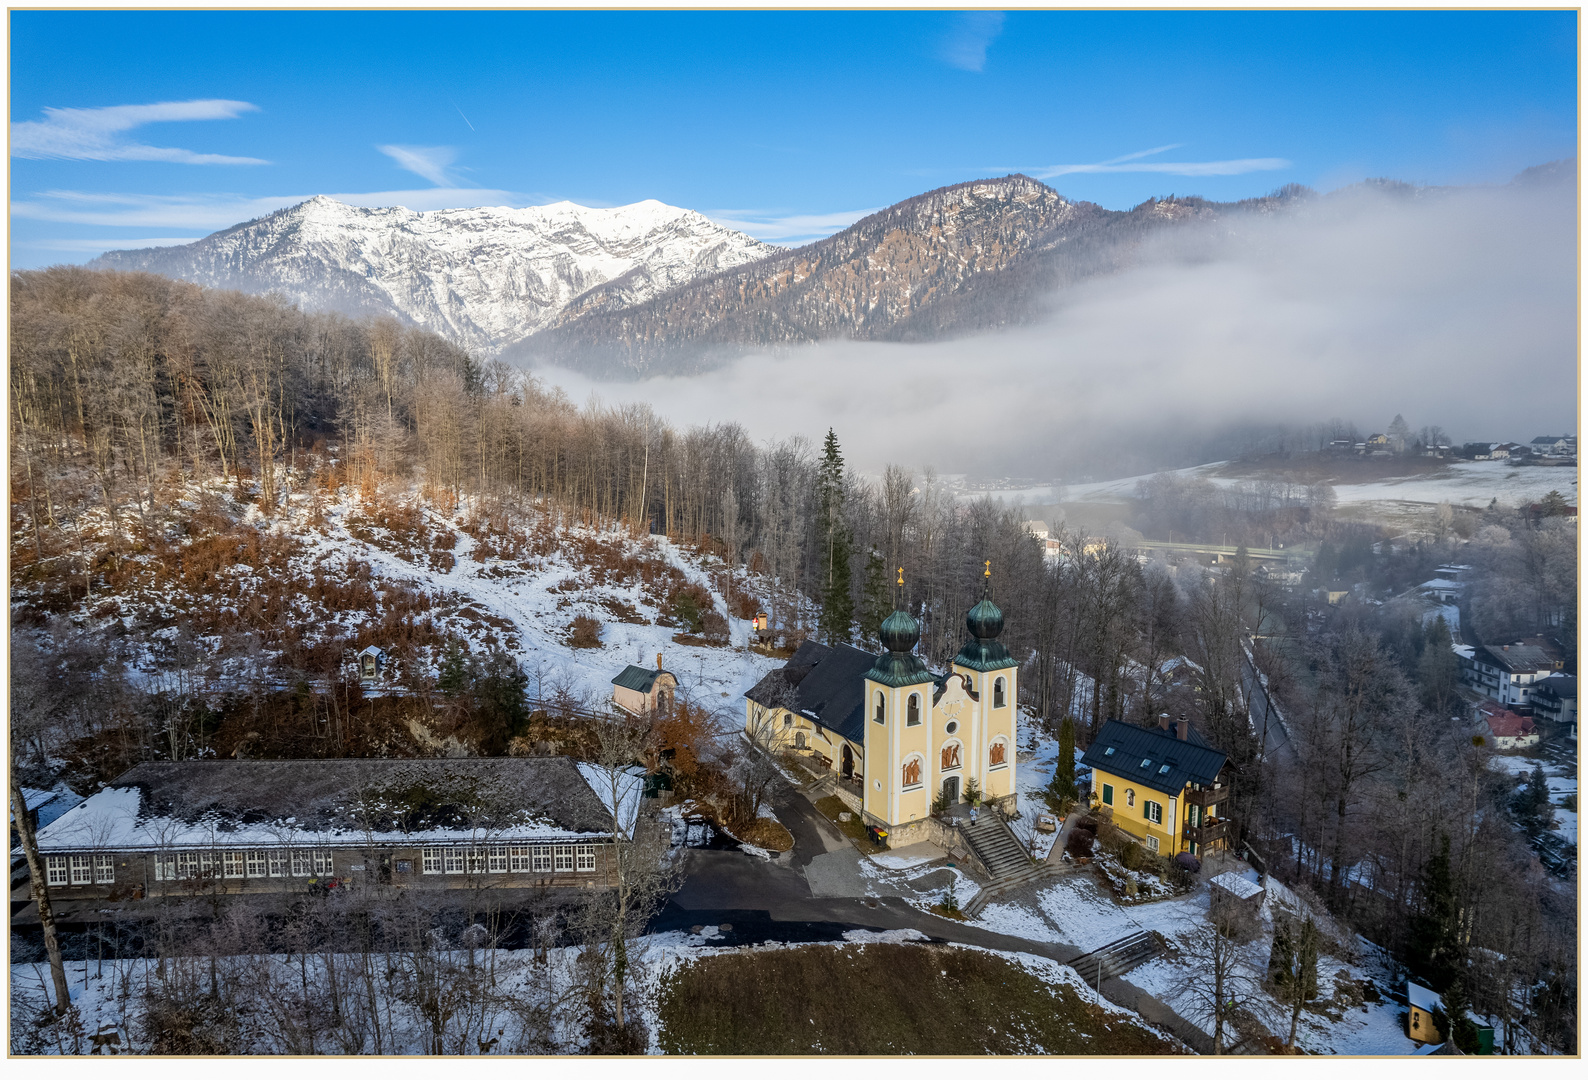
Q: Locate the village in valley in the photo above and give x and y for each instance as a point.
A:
(932, 536)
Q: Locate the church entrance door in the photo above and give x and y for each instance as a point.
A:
(951, 790)
(848, 762)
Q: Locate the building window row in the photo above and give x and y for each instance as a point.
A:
(541, 859)
(250, 863)
(80, 869)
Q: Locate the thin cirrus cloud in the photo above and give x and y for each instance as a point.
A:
(788, 228)
(1137, 163)
(220, 210)
(102, 134)
(429, 162)
(965, 44)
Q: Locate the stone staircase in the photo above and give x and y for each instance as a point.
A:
(1006, 861)
(1119, 957)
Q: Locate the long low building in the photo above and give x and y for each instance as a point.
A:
(276, 826)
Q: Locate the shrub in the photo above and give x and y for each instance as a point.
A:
(713, 627)
(1132, 856)
(584, 632)
(688, 604)
(1079, 844)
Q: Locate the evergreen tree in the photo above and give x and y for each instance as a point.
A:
(1434, 944)
(875, 602)
(1532, 802)
(838, 604)
(1063, 783)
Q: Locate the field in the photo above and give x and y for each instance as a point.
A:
(888, 998)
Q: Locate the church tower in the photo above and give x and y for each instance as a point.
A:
(993, 676)
(898, 709)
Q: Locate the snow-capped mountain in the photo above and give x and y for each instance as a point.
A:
(484, 277)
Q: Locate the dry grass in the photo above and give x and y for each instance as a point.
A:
(883, 999)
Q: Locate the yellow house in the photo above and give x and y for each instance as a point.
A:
(1166, 786)
(898, 736)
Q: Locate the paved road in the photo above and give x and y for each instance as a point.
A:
(773, 900)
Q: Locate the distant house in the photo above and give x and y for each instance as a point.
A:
(1508, 730)
(1039, 529)
(1166, 786)
(1422, 1004)
(638, 690)
(1442, 590)
(1378, 441)
(1506, 673)
(288, 826)
(1554, 446)
(1555, 702)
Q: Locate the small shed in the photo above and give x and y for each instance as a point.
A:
(1236, 895)
(372, 663)
(640, 690)
(1421, 1004)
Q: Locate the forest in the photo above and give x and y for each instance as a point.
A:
(130, 393)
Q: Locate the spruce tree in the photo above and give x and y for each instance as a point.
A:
(1434, 945)
(838, 604)
(875, 602)
(1293, 967)
(1063, 784)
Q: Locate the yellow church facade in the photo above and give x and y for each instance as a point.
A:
(899, 738)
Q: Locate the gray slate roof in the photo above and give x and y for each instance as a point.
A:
(1517, 659)
(822, 683)
(417, 795)
(1191, 761)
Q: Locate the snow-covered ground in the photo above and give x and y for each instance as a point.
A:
(1461, 483)
(1561, 777)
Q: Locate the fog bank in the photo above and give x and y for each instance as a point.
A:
(1453, 307)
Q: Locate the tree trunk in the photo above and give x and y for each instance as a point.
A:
(41, 890)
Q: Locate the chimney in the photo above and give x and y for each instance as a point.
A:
(658, 661)
(1163, 721)
(1181, 728)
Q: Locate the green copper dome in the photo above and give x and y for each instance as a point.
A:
(899, 666)
(985, 620)
(900, 632)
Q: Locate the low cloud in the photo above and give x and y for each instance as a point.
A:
(100, 134)
(1455, 308)
(965, 44)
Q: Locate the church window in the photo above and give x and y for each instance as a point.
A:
(951, 756)
(882, 705)
(998, 693)
(912, 715)
(799, 740)
(912, 773)
(995, 754)
(951, 727)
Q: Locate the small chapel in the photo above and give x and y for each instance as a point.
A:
(898, 736)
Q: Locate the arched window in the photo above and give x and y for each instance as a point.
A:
(799, 740)
(882, 705)
(998, 692)
(911, 774)
(912, 714)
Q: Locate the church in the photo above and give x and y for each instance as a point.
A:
(897, 736)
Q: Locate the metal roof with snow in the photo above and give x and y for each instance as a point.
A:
(1423, 998)
(345, 802)
(1237, 885)
(1140, 754)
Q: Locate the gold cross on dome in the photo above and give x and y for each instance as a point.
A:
(901, 575)
(987, 573)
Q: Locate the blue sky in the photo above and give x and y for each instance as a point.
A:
(138, 127)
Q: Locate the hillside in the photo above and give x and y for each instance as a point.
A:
(483, 277)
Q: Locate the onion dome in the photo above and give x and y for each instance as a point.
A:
(985, 621)
(900, 632)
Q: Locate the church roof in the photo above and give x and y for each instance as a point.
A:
(1142, 754)
(823, 683)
